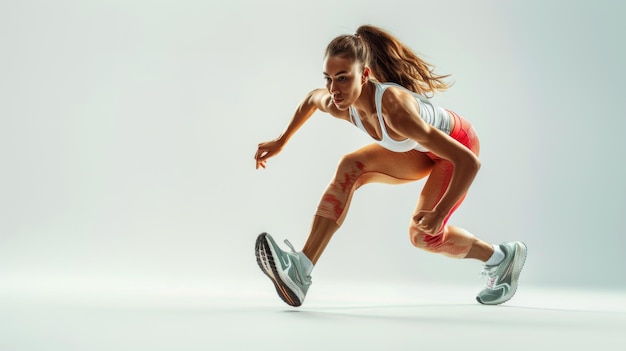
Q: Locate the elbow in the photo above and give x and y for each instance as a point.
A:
(477, 164)
(471, 165)
(468, 167)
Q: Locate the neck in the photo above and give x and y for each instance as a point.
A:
(365, 103)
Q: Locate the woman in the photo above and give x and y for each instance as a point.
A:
(378, 84)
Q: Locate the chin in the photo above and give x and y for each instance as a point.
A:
(342, 106)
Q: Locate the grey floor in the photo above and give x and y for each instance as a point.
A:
(336, 316)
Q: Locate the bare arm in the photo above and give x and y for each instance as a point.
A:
(318, 99)
(402, 115)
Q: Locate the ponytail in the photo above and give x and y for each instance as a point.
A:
(389, 60)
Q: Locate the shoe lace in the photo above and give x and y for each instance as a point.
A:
(293, 251)
(489, 273)
(290, 246)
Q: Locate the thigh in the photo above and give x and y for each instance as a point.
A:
(435, 188)
(442, 169)
(377, 164)
(436, 185)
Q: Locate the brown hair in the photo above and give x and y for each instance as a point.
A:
(389, 59)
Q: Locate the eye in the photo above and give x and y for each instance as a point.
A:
(327, 79)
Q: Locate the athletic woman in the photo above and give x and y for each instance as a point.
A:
(379, 85)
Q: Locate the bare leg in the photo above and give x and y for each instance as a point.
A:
(321, 232)
(480, 250)
(366, 165)
(453, 241)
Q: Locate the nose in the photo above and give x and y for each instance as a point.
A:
(332, 88)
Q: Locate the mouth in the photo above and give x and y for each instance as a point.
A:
(337, 101)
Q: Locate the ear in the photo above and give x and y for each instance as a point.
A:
(365, 75)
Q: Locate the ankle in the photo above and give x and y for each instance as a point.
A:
(496, 257)
(306, 263)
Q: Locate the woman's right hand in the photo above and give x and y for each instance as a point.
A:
(266, 150)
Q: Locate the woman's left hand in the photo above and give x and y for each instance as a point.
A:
(430, 222)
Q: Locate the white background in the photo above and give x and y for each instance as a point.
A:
(128, 130)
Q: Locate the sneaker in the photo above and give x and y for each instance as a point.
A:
(285, 269)
(502, 278)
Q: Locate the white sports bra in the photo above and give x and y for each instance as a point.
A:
(434, 115)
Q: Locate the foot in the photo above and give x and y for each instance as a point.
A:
(502, 278)
(285, 269)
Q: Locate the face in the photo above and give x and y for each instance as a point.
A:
(344, 80)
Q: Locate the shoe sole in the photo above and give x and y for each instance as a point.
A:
(265, 260)
(517, 270)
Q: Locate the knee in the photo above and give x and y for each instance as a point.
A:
(350, 163)
(417, 239)
(349, 170)
(425, 241)
(416, 236)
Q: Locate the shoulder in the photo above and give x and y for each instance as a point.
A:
(401, 112)
(322, 99)
(397, 100)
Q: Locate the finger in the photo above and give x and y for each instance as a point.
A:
(262, 155)
(258, 154)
